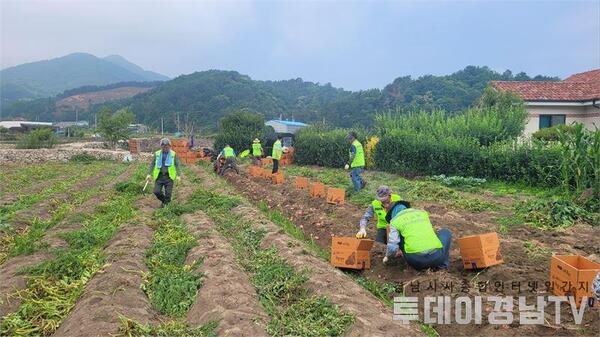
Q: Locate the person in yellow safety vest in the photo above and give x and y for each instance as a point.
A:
(357, 161)
(164, 169)
(276, 154)
(412, 233)
(257, 151)
(378, 210)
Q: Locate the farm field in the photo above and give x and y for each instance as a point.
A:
(86, 252)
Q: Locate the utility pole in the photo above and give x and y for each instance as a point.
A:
(76, 116)
(95, 122)
(162, 130)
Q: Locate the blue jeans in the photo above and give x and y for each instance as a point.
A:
(437, 258)
(356, 179)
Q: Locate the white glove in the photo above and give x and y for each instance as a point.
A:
(385, 259)
(362, 233)
(178, 178)
(346, 167)
(148, 177)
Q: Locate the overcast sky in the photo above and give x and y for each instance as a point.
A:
(351, 44)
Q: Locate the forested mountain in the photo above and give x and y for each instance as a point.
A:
(204, 97)
(51, 77)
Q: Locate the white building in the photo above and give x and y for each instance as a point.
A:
(575, 99)
(285, 126)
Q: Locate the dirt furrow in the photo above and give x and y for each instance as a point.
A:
(11, 280)
(115, 290)
(373, 318)
(227, 295)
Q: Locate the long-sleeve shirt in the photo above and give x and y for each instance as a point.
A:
(369, 214)
(352, 153)
(163, 168)
(394, 240)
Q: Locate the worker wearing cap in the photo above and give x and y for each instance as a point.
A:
(257, 151)
(412, 233)
(164, 169)
(276, 154)
(356, 162)
(378, 209)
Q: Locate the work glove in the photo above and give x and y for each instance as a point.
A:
(346, 167)
(148, 177)
(178, 178)
(385, 259)
(362, 233)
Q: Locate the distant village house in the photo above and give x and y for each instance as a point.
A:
(575, 99)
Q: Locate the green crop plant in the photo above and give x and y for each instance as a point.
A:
(536, 251)
(24, 176)
(552, 213)
(130, 328)
(25, 201)
(28, 241)
(171, 285)
(281, 289)
(54, 286)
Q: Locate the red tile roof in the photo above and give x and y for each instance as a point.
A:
(576, 88)
(587, 77)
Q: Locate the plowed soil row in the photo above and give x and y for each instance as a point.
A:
(372, 317)
(321, 221)
(11, 281)
(226, 295)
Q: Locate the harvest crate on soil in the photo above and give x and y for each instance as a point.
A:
(336, 195)
(301, 183)
(480, 251)
(277, 178)
(351, 253)
(572, 275)
(317, 190)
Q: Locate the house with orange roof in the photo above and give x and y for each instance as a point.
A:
(573, 100)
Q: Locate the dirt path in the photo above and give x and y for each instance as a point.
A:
(226, 295)
(12, 281)
(320, 221)
(115, 291)
(373, 318)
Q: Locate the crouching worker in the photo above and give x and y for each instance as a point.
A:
(378, 209)
(412, 233)
(163, 169)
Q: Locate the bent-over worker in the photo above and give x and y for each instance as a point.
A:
(378, 209)
(412, 233)
(163, 169)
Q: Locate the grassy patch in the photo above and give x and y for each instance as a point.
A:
(130, 328)
(536, 251)
(412, 190)
(54, 285)
(552, 213)
(280, 288)
(29, 240)
(171, 285)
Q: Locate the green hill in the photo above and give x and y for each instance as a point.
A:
(51, 77)
(204, 97)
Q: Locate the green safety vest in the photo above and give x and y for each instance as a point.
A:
(359, 157)
(380, 212)
(277, 150)
(228, 152)
(157, 164)
(417, 231)
(256, 149)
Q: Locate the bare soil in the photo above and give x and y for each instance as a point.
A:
(321, 221)
(226, 295)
